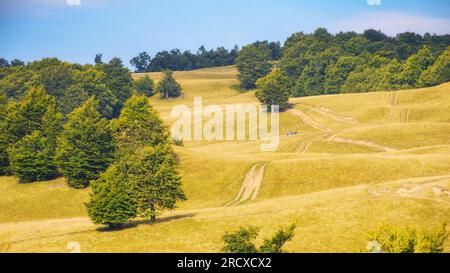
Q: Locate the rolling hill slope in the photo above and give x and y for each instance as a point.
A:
(356, 162)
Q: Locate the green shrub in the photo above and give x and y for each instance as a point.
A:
(241, 241)
(409, 240)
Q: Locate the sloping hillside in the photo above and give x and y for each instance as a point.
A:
(355, 162)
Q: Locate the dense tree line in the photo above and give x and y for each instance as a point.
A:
(71, 84)
(347, 62)
(255, 61)
(322, 63)
(5, 63)
(83, 123)
(177, 60)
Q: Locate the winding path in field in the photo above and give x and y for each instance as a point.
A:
(418, 186)
(309, 121)
(251, 185)
(331, 114)
(361, 143)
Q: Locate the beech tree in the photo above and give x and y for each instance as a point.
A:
(136, 185)
(274, 89)
(253, 63)
(144, 86)
(86, 147)
(153, 172)
(141, 62)
(437, 73)
(26, 116)
(3, 136)
(137, 126)
(112, 202)
(414, 67)
(168, 87)
(117, 79)
(32, 158)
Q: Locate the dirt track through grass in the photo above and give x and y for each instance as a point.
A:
(309, 121)
(331, 114)
(361, 143)
(251, 185)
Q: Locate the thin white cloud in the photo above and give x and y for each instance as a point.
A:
(374, 2)
(392, 23)
(57, 2)
(73, 2)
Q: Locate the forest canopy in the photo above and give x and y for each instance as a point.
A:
(348, 62)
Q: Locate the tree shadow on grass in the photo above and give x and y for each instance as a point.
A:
(135, 223)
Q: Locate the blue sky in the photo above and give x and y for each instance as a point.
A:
(75, 30)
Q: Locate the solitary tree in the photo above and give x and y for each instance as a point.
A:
(144, 86)
(154, 175)
(136, 185)
(253, 63)
(168, 87)
(112, 201)
(274, 89)
(86, 146)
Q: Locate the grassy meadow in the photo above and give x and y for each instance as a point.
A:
(376, 158)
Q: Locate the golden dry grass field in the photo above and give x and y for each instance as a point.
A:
(357, 161)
